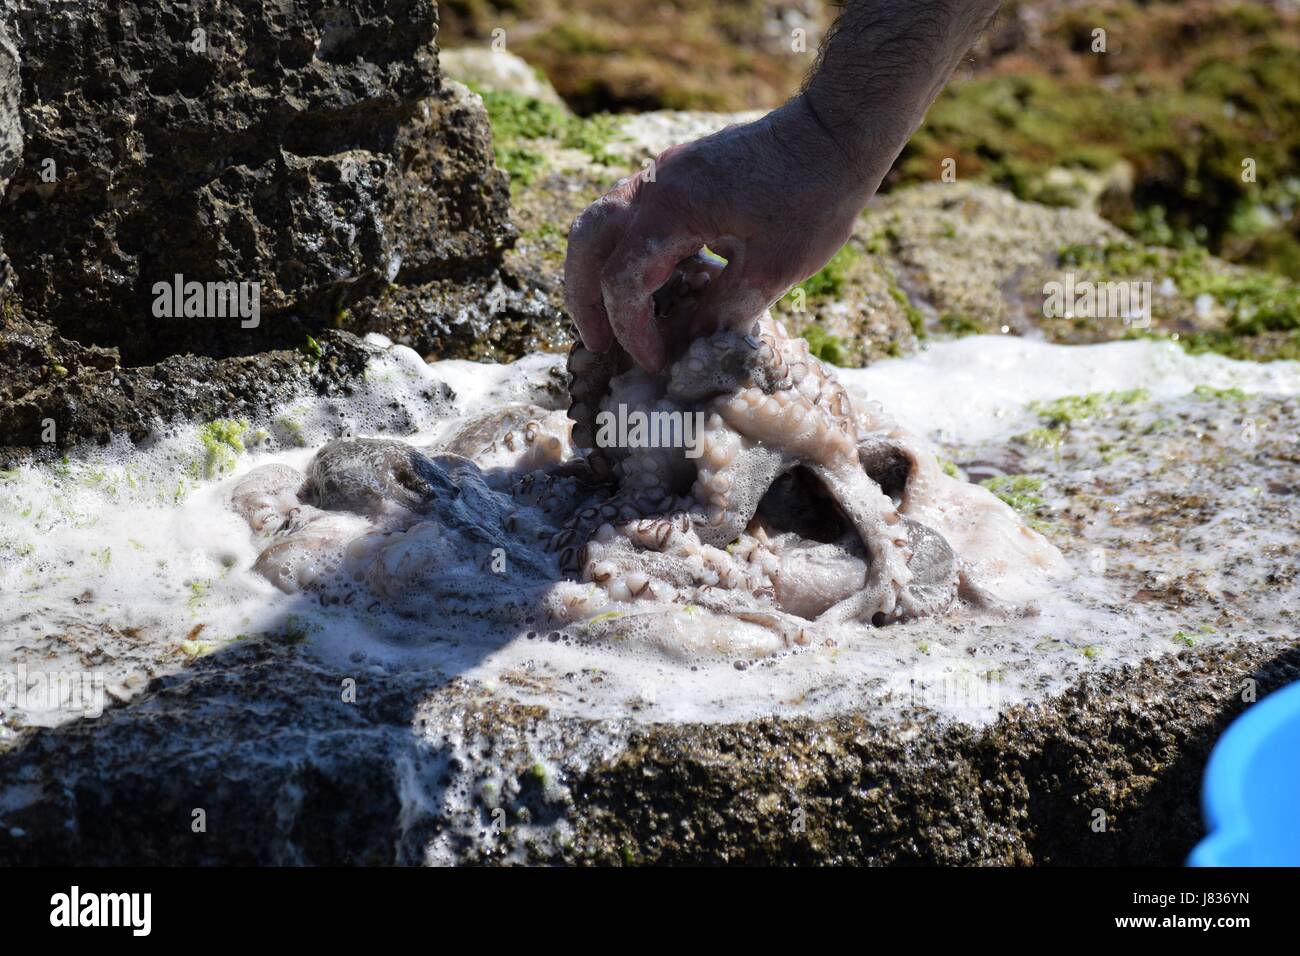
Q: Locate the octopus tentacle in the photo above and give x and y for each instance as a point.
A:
(589, 377)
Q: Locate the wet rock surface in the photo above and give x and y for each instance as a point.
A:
(288, 773)
(73, 394)
(292, 764)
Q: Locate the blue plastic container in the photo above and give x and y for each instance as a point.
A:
(1252, 788)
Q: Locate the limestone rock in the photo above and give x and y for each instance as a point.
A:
(311, 150)
(11, 132)
(498, 70)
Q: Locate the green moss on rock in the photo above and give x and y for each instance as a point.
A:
(1018, 491)
(222, 443)
(824, 345)
(1183, 132)
(521, 124)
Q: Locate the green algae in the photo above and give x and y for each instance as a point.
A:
(832, 279)
(1263, 309)
(1219, 394)
(520, 124)
(222, 444)
(1018, 491)
(1184, 137)
(959, 325)
(914, 317)
(824, 345)
(1070, 409)
(1021, 494)
(312, 349)
(1046, 438)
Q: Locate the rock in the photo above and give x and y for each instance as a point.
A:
(312, 151)
(940, 259)
(356, 190)
(11, 133)
(1085, 189)
(432, 766)
(646, 135)
(287, 773)
(501, 317)
(426, 765)
(59, 394)
(498, 70)
(610, 57)
(973, 258)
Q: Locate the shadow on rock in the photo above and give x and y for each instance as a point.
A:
(250, 755)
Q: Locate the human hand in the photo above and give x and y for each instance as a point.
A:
(776, 198)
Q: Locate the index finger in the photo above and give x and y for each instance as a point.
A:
(592, 237)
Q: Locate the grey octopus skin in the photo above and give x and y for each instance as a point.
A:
(792, 513)
(770, 408)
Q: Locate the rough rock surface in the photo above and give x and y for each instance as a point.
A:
(314, 151)
(11, 131)
(424, 767)
(87, 396)
(489, 69)
(287, 773)
(321, 155)
(934, 260)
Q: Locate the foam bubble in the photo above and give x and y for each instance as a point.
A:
(137, 553)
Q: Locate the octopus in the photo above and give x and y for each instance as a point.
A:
(789, 512)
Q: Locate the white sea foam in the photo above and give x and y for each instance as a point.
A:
(127, 562)
(976, 388)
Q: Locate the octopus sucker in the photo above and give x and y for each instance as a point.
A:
(886, 513)
(790, 510)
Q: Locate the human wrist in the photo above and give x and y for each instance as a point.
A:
(838, 149)
(882, 64)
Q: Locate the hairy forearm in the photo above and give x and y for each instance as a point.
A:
(880, 67)
(777, 196)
